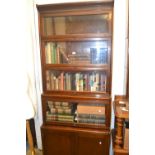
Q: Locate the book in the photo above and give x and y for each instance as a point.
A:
(103, 56)
(91, 121)
(79, 59)
(48, 81)
(58, 117)
(63, 56)
(99, 55)
(52, 47)
(59, 104)
(58, 55)
(83, 109)
(60, 111)
(90, 116)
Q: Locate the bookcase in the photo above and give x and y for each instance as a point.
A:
(76, 59)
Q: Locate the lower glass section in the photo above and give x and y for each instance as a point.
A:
(79, 113)
(79, 81)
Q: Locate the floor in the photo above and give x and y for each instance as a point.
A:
(37, 152)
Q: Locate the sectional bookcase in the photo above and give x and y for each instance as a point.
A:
(76, 58)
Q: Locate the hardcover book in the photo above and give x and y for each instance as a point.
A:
(99, 55)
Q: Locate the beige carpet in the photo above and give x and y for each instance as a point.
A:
(37, 152)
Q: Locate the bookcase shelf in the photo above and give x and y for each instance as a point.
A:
(77, 37)
(76, 58)
(77, 67)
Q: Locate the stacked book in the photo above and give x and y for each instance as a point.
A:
(60, 111)
(79, 59)
(91, 113)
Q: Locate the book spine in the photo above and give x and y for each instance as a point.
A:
(48, 86)
(58, 117)
(62, 81)
(91, 110)
(48, 53)
(91, 121)
(58, 55)
(90, 116)
(52, 52)
(77, 77)
(60, 111)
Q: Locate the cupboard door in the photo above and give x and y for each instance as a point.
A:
(91, 144)
(57, 142)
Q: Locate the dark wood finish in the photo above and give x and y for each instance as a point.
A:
(72, 138)
(77, 37)
(120, 116)
(57, 142)
(119, 133)
(93, 144)
(73, 141)
(69, 6)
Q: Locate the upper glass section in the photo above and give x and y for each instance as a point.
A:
(81, 24)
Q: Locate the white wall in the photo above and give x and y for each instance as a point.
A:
(16, 49)
(142, 77)
(119, 52)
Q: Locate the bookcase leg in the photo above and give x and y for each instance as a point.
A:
(119, 133)
(29, 136)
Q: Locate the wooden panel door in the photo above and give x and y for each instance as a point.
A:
(57, 142)
(91, 144)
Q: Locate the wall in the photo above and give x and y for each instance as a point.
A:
(142, 77)
(119, 53)
(16, 49)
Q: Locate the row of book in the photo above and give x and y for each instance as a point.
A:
(73, 112)
(55, 54)
(60, 111)
(94, 81)
(79, 59)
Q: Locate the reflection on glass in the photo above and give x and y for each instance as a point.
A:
(87, 113)
(76, 24)
(79, 81)
(87, 52)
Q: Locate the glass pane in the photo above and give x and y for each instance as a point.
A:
(90, 113)
(76, 24)
(86, 52)
(79, 81)
(87, 113)
(60, 111)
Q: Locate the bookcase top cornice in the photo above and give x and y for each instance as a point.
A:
(55, 6)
